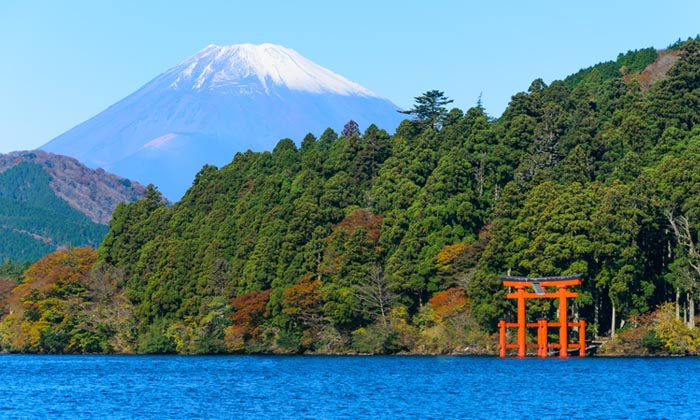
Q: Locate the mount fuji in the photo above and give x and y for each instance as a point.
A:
(222, 100)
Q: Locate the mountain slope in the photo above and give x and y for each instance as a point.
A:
(48, 202)
(219, 101)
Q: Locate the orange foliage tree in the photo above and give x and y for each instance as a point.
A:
(249, 310)
(449, 303)
(362, 218)
(55, 271)
(302, 301)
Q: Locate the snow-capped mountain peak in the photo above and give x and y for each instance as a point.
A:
(248, 68)
(220, 101)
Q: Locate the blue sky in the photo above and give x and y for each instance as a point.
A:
(65, 61)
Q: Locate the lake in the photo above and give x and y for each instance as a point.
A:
(340, 387)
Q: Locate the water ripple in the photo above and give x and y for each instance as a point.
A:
(325, 387)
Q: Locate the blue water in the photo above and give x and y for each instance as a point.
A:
(309, 387)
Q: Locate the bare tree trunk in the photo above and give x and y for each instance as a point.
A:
(596, 308)
(612, 327)
(681, 230)
(691, 311)
(678, 306)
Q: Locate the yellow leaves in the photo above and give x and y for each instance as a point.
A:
(10, 335)
(20, 334)
(31, 333)
(448, 254)
(675, 335)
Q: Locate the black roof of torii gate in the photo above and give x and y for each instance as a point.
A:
(541, 279)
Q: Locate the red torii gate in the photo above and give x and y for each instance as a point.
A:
(539, 285)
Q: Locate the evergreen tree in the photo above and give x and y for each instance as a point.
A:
(430, 108)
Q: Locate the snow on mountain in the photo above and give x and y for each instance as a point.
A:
(222, 100)
(231, 67)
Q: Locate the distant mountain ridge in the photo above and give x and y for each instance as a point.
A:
(94, 193)
(49, 202)
(220, 101)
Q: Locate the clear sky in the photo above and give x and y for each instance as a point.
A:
(65, 61)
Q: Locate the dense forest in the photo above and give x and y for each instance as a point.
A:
(371, 242)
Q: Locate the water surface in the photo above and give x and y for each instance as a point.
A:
(330, 387)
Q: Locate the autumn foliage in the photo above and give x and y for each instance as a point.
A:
(449, 303)
(47, 313)
(302, 303)
(302, 300)
(362, 218)
(248, 312)
(448, 255)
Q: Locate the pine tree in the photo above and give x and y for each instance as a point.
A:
(430, 108)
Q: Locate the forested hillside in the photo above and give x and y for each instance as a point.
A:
(372, 242)
(49, 202)
(34, 221)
